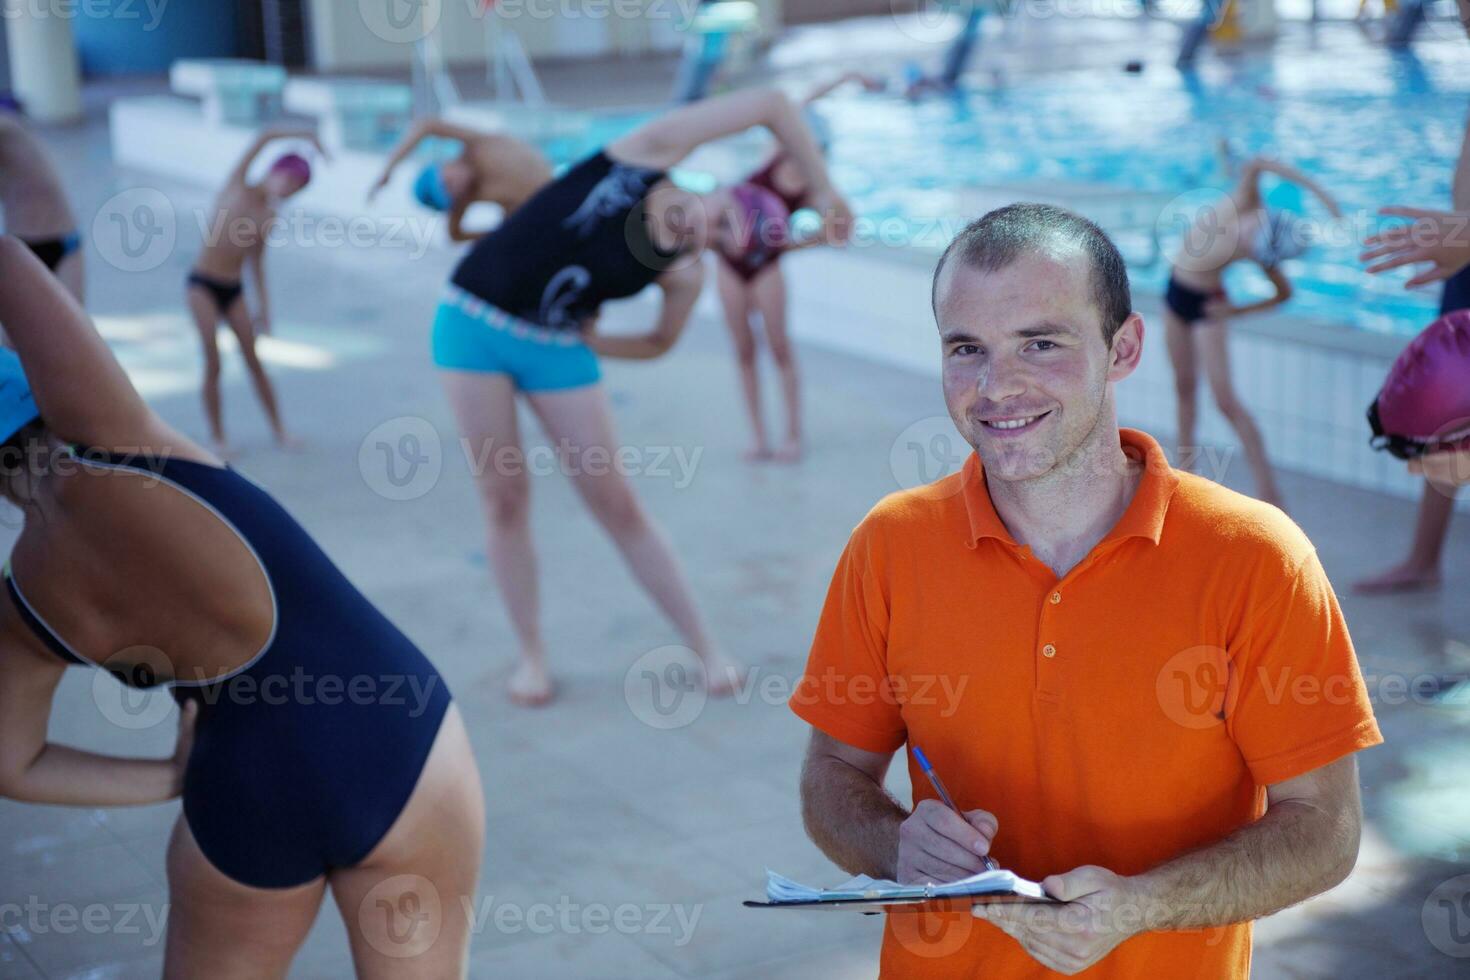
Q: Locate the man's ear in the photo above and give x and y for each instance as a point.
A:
(1127, 348)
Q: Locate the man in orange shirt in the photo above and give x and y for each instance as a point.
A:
(1136, 684)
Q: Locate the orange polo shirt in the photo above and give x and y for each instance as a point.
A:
(1132, 711)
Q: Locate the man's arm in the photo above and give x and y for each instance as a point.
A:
(1305, 843)
(864, 830)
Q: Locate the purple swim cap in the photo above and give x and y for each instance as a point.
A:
(762, 225)
(1424, 405)
(295, 165)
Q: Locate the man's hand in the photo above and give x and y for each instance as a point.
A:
(1440, 238)
(934, 844)
(1072, 937)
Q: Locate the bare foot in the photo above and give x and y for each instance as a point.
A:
(530, 686)
(722, 676)
(289, 443)
(1400, 578)
(223, 449)
(789, 453)
(759, 453)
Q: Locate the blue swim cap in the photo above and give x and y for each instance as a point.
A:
(17, 406)
(430, 189)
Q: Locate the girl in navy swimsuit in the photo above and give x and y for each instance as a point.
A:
(519, 315)
(317, 746)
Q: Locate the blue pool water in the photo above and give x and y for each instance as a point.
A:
(1373, 128)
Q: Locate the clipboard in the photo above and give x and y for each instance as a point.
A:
(918, 903)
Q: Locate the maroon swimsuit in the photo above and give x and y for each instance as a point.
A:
(755, 261)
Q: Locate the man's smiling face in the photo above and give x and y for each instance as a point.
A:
(1026, 367)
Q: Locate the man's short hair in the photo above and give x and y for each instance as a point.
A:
(999, 238)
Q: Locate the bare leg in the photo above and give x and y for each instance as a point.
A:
(238, 317)
(1180, 340)
(736, 299)
(218, 927)
(206, 318)
(485, 405)
(579, 419)
(407, 905)
(770, 299)
(1421, 569)
(1215, 339)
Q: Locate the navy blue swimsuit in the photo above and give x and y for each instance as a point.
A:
(304, 757)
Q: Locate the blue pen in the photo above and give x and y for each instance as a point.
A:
(990, 863)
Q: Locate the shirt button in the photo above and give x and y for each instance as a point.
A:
(1056, 597)
(1048, 651)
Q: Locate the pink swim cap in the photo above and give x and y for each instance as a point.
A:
(762, 225)
(294, 164)
(1424, 405)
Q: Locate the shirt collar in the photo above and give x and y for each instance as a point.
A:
(1144, 517)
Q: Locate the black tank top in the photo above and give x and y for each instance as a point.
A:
(581, 240)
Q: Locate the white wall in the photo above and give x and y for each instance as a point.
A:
(357, 34)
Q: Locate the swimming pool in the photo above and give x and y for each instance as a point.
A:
(1372, 127)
